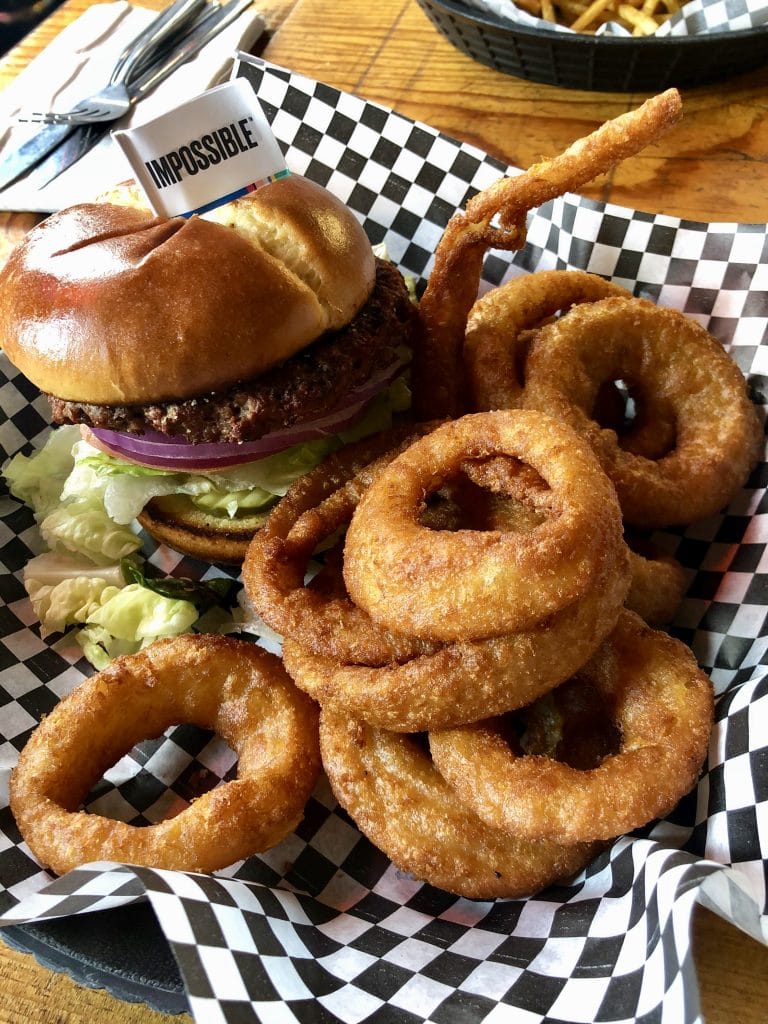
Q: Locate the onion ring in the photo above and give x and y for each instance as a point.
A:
(516, 499)
(396, 798)
(649, 430)
(466, 680)
(658, 585)
(718, 431)
(470, 584)
(438, 380)
(662, 704)
(495, 342)
(318, 505)
(231, 686)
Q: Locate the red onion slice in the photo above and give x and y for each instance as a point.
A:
(161, 451)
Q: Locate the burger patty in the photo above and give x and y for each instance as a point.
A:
(306, 386)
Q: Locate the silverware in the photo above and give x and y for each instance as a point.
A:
(56, 147)
(16, 164)
(112, 101)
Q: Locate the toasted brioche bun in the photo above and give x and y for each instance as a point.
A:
(108, 304)
(175, 521)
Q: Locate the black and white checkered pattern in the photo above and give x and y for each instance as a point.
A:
(697, 17)
(323, 927)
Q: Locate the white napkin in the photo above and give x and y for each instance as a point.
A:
(79, 62)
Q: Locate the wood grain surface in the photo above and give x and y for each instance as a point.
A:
(714, 166)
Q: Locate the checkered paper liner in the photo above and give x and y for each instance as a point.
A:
(699, 17)
(323, 927)
(696, 18)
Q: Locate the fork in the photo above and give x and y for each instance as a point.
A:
(114, 100)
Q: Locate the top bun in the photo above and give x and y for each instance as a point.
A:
(108, 304)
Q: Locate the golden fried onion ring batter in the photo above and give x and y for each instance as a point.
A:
(474, 584)
(230, 686)
(389, 787)
(662, 705)
(718, 434)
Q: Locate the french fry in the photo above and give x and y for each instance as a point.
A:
(548, 11)
(531, 6)
(640, 17)
(642, 23)
(586, 19)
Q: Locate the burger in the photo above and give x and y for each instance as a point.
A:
(208, 361)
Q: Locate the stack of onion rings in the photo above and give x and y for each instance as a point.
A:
(662, 706)
(501, 324)
(470, 584)
(660, 351)
(391, 790)
(230, 686)
(409, 683)
(465, 680)
(500, 473)
(483, 821)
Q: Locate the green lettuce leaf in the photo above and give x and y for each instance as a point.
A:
(129, 620)
(119, 607)
(100, 647)
(204, 594)
(138, 614)
(64, 591)
(38, 479)
(84, 528)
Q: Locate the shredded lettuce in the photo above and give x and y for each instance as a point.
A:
(84, 528)
(125, 488)
(38, 479)
(203, 594)
(137, 613)
(132, 617)
(119, 607)
(68, 522)
(64, 591)
(53, 567)
(67, 603)
(100, 647)
(63, 594)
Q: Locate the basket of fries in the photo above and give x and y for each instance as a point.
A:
(573, 53)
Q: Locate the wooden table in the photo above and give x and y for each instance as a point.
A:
(712, 167)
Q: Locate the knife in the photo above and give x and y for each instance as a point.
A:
(14, 165)
(57, 147)
(76, 142)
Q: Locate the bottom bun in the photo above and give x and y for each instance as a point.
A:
(175, 521)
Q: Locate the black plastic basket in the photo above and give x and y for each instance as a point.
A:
(601, 63)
